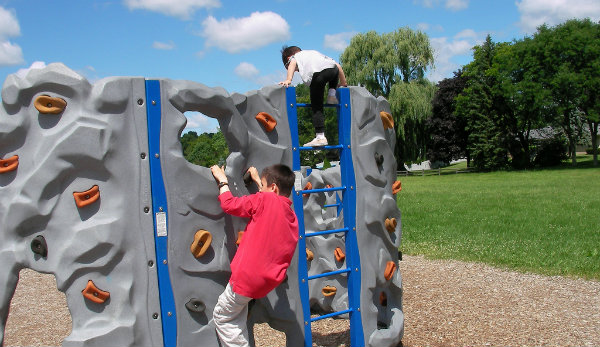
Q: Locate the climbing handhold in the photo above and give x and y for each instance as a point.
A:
(39, 246)
(329, 290)
(83, 199)
(339, 254)
(195, 305)
(92, 293)
(390, 268)
(308, 186)
(9, 164)
(202, 240)
(390, 224)
(387, 119)
(383, 299)
(329, 186)
(267, 121)
(239, 238)
(48, 105)
(309, 255)
(378, 159)
(396, 187)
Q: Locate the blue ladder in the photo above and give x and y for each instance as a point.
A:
(348, 204)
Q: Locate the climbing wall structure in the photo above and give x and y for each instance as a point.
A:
(95, 190)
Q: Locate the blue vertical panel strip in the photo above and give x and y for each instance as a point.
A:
(292, 112)
(160, 213)
(349, 203)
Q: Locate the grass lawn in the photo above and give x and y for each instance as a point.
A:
(543, 221)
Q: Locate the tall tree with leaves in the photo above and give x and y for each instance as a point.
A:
(447, 132)
(476, 104)
(393, 65)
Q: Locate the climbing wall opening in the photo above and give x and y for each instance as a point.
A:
(38, 314)
(202, 140)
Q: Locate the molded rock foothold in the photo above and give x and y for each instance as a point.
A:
(267, 121)
(239, 238)
(308, 186)
(309, 255)
(39, 246)
(390, 268)
(396, 187)
(83, 199)
(46, 104)
(93, 294)
(390, 224)
(339, 254)
(387, 119)
(329, 290)
(9, 164)
(195, 305)
(202, 240)
(378, 159)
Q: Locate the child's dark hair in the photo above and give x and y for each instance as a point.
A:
(282, 176)
(287, 52)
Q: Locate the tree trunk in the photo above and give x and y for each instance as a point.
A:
(594, 133)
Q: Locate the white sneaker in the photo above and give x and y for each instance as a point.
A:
(317, 142)
(331, 99)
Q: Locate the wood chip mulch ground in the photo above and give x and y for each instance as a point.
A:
(446, 303)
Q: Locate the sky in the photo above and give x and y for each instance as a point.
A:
(236, 44)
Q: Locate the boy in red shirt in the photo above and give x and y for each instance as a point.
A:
(266, 250)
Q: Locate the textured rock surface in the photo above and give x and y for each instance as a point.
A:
(101, 139)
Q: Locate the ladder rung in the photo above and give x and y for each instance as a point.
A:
(331, 205)
(322, 190)
(330, 315)
(329, 274)
(316, 148)
(325, 232)
(324, 105)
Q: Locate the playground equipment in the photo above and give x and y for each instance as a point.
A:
(95, 190)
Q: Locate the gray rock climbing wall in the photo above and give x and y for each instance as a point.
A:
(98, 145)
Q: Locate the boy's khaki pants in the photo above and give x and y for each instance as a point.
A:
(230, 316)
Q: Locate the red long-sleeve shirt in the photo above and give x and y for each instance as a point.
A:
(268, 244)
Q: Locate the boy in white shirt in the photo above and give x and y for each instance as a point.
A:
(316, 70)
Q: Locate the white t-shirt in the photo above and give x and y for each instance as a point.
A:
(309, 62)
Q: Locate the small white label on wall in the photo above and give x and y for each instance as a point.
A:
(298, 181)
(161, 224)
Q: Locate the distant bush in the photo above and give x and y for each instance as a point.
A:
(550, 152)
(590, 150)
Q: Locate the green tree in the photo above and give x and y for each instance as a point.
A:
(393, 65)
(206, 149)
(476, 104)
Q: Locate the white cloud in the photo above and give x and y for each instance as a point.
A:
(35, 65)
(165, 46)
(200, 123)
(426, 27)
(552, 12)
(10, 53)
(179, 8)
(447, 51)
(453, 5)
(238, 34)
(338, 42)
(246, 71)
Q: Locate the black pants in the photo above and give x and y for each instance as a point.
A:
(317, 90)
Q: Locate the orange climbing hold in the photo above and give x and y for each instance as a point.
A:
(48, 105)
(308, 186)
(92, 293)
(390, 268)
(383, 299)
(202, 240)
(9, 164)
(329, 290)
(387, 119)
(309, 255)
(267, 121)
(396, 187)
(239, 238)
(83, 199)
(339, 254)
(390, 224)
